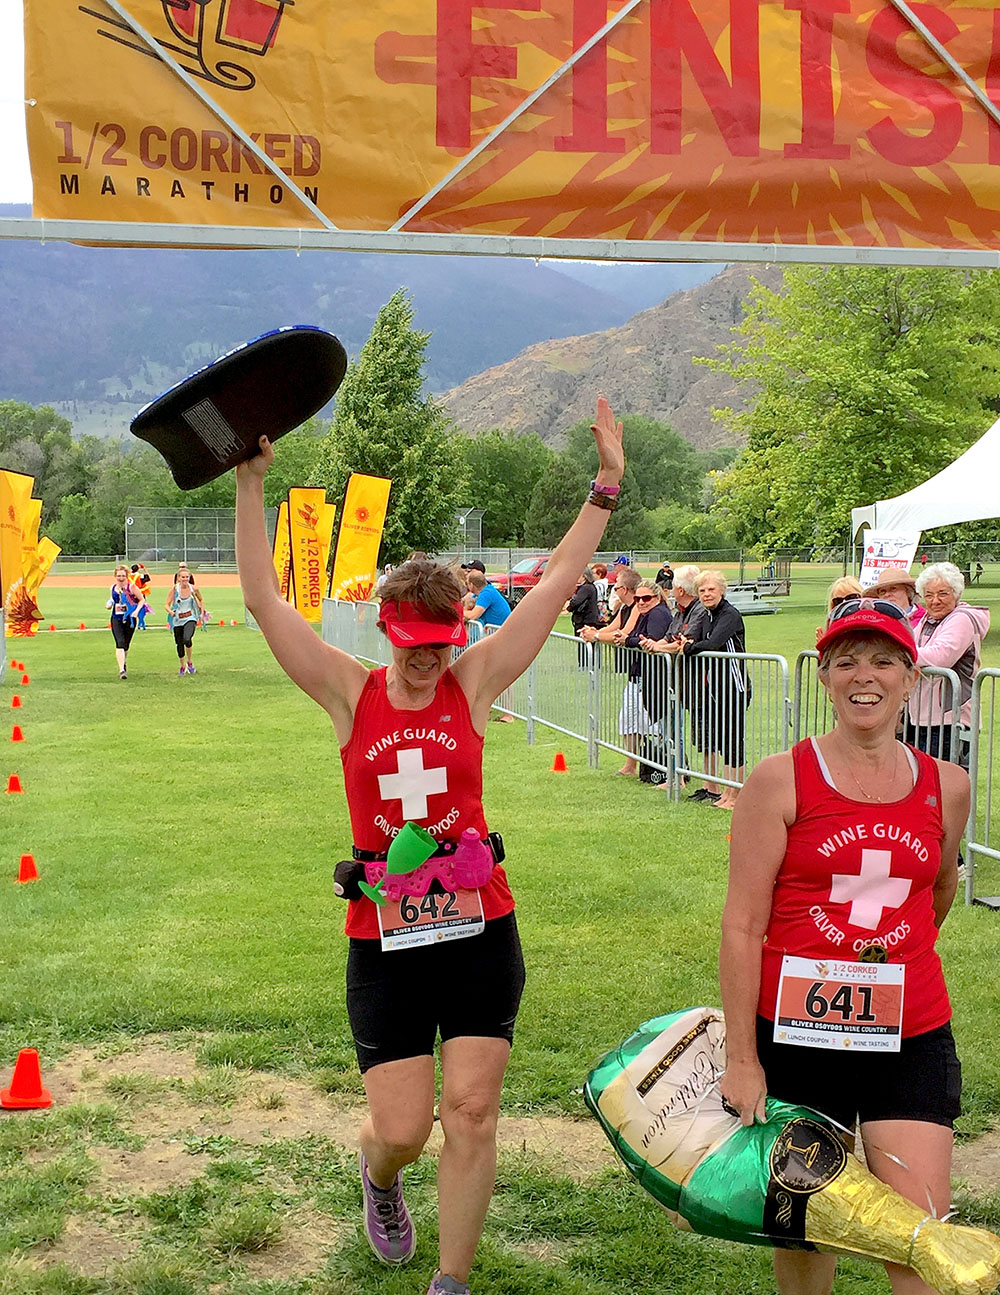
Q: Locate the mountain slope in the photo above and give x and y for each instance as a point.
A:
(645, 366)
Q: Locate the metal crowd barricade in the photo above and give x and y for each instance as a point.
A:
(981, 847)
(564, 685)
(812, 713)
(730, 712)
(628, 710)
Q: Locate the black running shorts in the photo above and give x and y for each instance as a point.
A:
(923, 1081)
(399, 1002)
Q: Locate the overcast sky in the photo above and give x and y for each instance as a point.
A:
(15, 179)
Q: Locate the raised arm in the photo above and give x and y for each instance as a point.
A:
(489, 667)
(329, 676)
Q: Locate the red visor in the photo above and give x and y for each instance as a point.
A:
(407, 625)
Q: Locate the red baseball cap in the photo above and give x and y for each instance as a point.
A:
(409, 625)
(869, 615)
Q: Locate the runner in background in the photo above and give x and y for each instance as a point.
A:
(411, 740)
(844, 854)
(125, 603)
(185, 611)
(142, 580)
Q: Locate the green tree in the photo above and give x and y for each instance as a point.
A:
(75, 530)
(683, 530)
(127, 478)
(865, 381)
(295, 459)
(384, 426)
(556, 500)
(664, 466)
(502, 469)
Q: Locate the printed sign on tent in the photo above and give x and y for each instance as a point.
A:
(886, 549)
(725, 121)
(361, 524)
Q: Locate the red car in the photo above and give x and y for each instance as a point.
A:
(520, 578)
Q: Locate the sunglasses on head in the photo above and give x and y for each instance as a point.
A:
(850, 605)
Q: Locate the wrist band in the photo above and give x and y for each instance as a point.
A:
(598, 489)
(608, 502)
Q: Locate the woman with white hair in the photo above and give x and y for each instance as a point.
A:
(949, 636)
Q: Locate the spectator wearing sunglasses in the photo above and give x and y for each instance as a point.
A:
(645, 706)
(950, 636)
(623, 618)
(685, 624)
(843, 587)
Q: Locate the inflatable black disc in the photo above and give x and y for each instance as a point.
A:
(212, 420)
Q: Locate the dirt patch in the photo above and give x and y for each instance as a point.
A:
(92, 1246)
(978, 1163)
(180, 1113)
(164, 1104)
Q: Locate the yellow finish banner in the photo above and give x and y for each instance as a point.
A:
(281, 552)
(834, 122)
(15, 498)
(306, 521)
(361, 524)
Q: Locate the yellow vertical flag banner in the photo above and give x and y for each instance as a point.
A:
(281, 552)
(305, 515)
(31, 570)
(15, 493)
(48, 551)
(361, 525)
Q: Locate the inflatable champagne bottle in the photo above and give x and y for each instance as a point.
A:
(789, 1182)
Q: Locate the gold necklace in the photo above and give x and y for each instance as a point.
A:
(895, 764)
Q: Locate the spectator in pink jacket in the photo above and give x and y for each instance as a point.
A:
(950, 635)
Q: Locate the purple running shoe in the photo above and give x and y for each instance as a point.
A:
(388, 1225)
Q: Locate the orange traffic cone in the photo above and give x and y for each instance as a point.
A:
(27, 871)
(26, 1091)
(15, 701)
(232, 622)
(16, 734)
(24, 680)
(559, 763)
(15, 665)
(51, 627)
(82, 626)
(222, 622)
(13, 784)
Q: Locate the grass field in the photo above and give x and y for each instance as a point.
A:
(179, 965)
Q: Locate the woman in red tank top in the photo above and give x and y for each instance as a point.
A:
(411, 739)
(843, 865)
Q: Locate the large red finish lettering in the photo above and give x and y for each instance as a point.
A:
(459, 59)
(919, 87)
(816, 62)
(590, 87)
(993, 89)
(675, 31)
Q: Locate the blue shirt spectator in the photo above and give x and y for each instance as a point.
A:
(490, 606)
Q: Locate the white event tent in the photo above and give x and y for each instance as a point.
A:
(965, 491)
